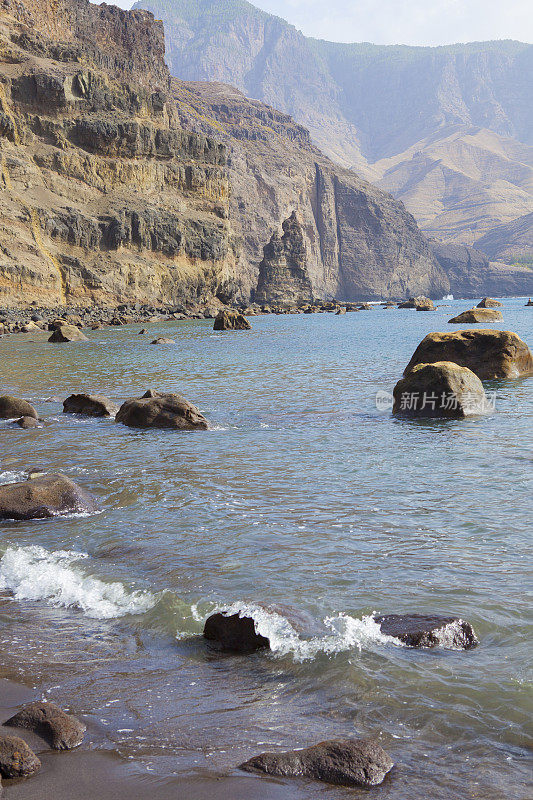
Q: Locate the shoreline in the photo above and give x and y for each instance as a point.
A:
(87, 772)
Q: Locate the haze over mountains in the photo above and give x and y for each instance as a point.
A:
(448, 130)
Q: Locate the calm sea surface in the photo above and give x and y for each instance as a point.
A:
(302, 495)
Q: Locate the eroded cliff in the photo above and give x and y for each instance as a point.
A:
(105, 197)
(360, 243)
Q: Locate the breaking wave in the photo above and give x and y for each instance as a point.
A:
(33, 573)
(343, 633)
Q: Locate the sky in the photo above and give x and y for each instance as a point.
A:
(418, 22)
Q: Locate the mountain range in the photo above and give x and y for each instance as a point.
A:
(447, 130)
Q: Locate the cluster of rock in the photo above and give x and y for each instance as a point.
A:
(343, 762)
(444, 376)
(60, 731)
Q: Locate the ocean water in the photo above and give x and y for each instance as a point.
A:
(303, 495)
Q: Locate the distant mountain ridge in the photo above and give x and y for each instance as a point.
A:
(418, 121)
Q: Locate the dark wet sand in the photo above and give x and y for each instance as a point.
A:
(88, 774)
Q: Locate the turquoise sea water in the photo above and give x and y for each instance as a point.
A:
(302, 495)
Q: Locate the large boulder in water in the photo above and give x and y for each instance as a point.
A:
(475, 315)
(161, 410)
(429, 630)
(17, 759)
(234, 633)
(44, 496)
(62, 731)
(89, 405)
(491, 354)
(443, 389)
(489, 302)
(350, 762)
(420, 303)
(228, 320)
(14, 408)
(67, 333)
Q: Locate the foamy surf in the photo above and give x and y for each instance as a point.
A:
(347, 633)
(33, 573)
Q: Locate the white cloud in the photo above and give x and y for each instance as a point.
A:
(429, 22)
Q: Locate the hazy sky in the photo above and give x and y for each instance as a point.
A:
(404, 21)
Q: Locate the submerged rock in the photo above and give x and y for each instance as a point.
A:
(489, 302)
(234, 633)
(13, 408)
(67, 333)
(351, 762)
(163, 340)
(442, 389)
(62, 731)
(44, 496)
(475, 315)
(231, 321)
(90, 405)
(27, 423)
(429, 630)
(17, 759)
(161, 410)
(491, 354)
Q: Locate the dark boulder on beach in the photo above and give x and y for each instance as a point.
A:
(17, 759)
(429, 630)
(475, 315)
(489, 302)
(228, 320)
(27, 423)
(67, 333)
(44, 496)
(14, 408)
(491, 354)
(442, 389)
(62, 731)
(89, 405)
(351, 762)
(234, 633)
(161, 410)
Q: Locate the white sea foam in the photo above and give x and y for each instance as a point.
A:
(346, 633)
(11, 477)
(33, 573)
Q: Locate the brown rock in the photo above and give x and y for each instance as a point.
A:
(489, 302)
(340, 311)
(351, 762)
(27, 423)
(420, 303)
(474, 315)
(231, 321)
(441, 389)
(17, 760)
(44, 496)
(67, 333)
(491, 354)
(62, 731)
(90, 405)
(161, 410)
(429, 630)
(13, 408)
(163, 340)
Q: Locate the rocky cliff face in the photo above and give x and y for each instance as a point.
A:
(471, 274)
(360, 243)
(448, 130)
(105, 197)
(283, 276)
